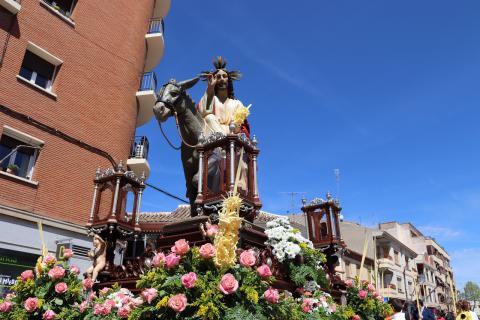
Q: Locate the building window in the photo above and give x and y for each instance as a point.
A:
(37, 71)
(399, 284)
(18, 153)
(65, 7)
(39, 67)
(396, 256)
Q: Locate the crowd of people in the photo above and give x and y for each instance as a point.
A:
(410, 311)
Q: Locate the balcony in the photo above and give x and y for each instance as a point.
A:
(137, 162)
(155, 43)
(385, 263)
(11, 5)
(161, 8)
(146, 97)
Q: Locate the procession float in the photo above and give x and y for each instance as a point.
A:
(215, 262)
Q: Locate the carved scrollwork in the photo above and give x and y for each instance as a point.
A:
(243, 138)
(100, 174)
(212, 138)
(131, 175)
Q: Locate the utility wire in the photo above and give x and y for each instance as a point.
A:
(167, 193)
(27, 119)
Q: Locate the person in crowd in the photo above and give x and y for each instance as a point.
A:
(397, 307)
(464, 312)
(426, 313)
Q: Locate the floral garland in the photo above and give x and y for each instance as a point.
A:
(186, 283)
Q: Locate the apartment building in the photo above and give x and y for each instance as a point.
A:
(435, 275)
(76, 81)
(396, 266)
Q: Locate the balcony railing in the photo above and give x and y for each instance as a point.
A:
(149, 82)
(139, 148)
(156, 25)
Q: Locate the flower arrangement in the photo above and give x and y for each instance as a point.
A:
(48, 293)
(187, 283)
(364, 302)
(302, 262)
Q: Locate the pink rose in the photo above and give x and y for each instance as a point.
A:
(56, 272)
(158, 260)
(27, 275)
(49, 259)
(228, 284)
(49, 315)
(74, 269)
(264, 271)
(83, 306)
(178, 302)
(92, 296)
(67, 253)
(247, 258)
(102, 309)
(376, 294)
(181, 247)
(189, 279)
(109, 303)
(212, 230)
(207, 251)
(136, 301)
(356, 317)
(349, 283)
(123, 312)
(333, 308)
(307, 305)
(172, 260)
(31, 304)
(61, 287)
(5, 306)
(380, 298)
(87, 284)
(272, 295)
(149, 294)
(362, 294)
(370, 287)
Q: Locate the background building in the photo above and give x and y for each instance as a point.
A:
(354, 234)
(75, 82)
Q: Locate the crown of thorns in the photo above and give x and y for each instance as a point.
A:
(221, 64)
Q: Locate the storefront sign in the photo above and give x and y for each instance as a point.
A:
(12, 264)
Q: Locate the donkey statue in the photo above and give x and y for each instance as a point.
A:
(173, 100)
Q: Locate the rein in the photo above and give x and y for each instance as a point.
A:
(172, 109)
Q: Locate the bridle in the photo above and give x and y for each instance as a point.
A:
(171, 106)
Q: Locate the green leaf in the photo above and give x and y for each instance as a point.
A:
(58, 301)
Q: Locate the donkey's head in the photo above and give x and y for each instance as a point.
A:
(173, 97)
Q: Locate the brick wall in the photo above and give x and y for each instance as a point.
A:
(103, 57)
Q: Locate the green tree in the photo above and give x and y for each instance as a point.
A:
(471, 292)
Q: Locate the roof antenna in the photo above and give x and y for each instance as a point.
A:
(292, 204)
(336, 172)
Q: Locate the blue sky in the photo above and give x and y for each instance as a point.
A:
(386, 91)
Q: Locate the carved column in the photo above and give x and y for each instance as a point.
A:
(115, 198)
(200, 175)
(94, 202)
(232, 164)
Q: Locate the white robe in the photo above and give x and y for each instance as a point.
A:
(217, 116)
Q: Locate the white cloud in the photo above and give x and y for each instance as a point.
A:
(466, 266)
(439, 232)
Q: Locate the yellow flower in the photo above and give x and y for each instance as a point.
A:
(241, 113)
(162, 303)
(227, 237)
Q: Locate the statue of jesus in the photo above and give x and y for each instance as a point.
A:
(218, 104)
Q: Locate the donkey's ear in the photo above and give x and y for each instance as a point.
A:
(187, 84)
